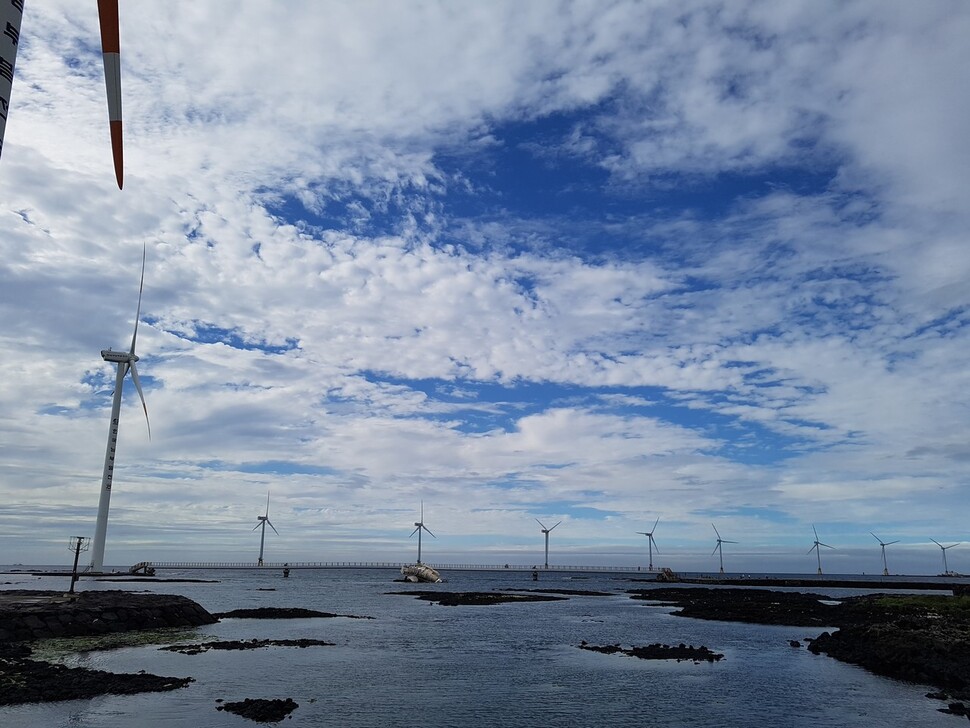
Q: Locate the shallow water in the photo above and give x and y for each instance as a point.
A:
(502, 665)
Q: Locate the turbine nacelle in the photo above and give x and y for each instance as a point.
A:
(119, 357)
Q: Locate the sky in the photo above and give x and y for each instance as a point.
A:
(591, 262)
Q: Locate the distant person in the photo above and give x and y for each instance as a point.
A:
(286, 570)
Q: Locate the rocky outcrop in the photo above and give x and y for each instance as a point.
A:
(261, 710)
(452, 599)
(32, 615)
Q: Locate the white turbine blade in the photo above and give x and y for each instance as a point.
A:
(724, 540)
(273, 527)
(654, 542)
(875, 537)
(936, 542)
(141, 287)
(655, 525)
(267, 505)
(815, 532)
(556, 525)
(815, 546)
(644, 533)
(891, 543)
(428, 530)
(415, 531)
(542, 525)
(134, 378)
(257, 525)
(716, 548)
(715, 531)
(826, 545)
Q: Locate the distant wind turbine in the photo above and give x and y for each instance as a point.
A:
(946, 571)
(717, 548)
(126, 362)
(11, 14)
(546, 531)
(885, 567)
(262, 522)
(817, 550)
(418, 528)
(651, 544)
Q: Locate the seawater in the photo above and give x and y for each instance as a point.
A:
(416, 664)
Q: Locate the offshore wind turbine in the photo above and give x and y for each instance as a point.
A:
(546, 531)
(651, 544)
(817, 550)
(418, 528)
(262, 521)
(717, 549)
(946, 571)
(125, 360)
(885, 567)
(11, 14)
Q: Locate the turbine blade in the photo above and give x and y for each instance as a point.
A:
(273, 527)
(267, 505)
(134, 378)
(556, 525)
(541, 524)
(875, 536)
(715, 530)
(654, 544)
(891, 543)
(655, 525)
(257, 525)
(111, 52)
(815, 532)
(812, 549)
(415, 531)
(643, 533)
(826, 545)
(724, 540)
(936, 542)
(428, 530)
(715, 549)
(141, 287)
(11, 14)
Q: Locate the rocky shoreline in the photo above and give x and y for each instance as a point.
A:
(917, 638)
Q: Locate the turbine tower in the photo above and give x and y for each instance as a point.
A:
(817, 550)
(720, 552)
(651, 544)
(125, 361)
(418, 528)
(946, 571)
(885, 567)
(546, 532)
(262, 521)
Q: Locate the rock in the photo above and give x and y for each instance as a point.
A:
(261, 710)
(795, 643)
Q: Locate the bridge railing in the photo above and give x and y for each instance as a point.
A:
(386, 565)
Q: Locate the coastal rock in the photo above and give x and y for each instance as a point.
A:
(261, 710)
(658, 651)
(30, 615)
(253, 644)
(280, 613)
(451, 599)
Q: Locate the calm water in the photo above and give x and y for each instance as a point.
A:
(505, 665)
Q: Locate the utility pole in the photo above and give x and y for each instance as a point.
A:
(77, 544)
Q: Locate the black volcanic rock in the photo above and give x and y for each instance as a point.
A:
(261, 710)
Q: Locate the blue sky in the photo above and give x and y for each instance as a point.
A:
(598, 262)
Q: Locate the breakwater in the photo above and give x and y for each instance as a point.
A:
(29, 615)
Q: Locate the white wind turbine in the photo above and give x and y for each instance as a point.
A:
(651, 544)
(546, 531)
(125, 361)
(263, 521)
(817, 550)
(885, 567)
(717, 548)
(946, 571)
(418, 528)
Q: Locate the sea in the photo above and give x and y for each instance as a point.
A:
(419, 665)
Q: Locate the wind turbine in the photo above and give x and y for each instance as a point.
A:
(546, 532)
(885, 567)
(263, 520)
(651, 544)
(126, 362)
(720, 552)
(418, 528)
(817, 550)
(11, 14)
(946, 571)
